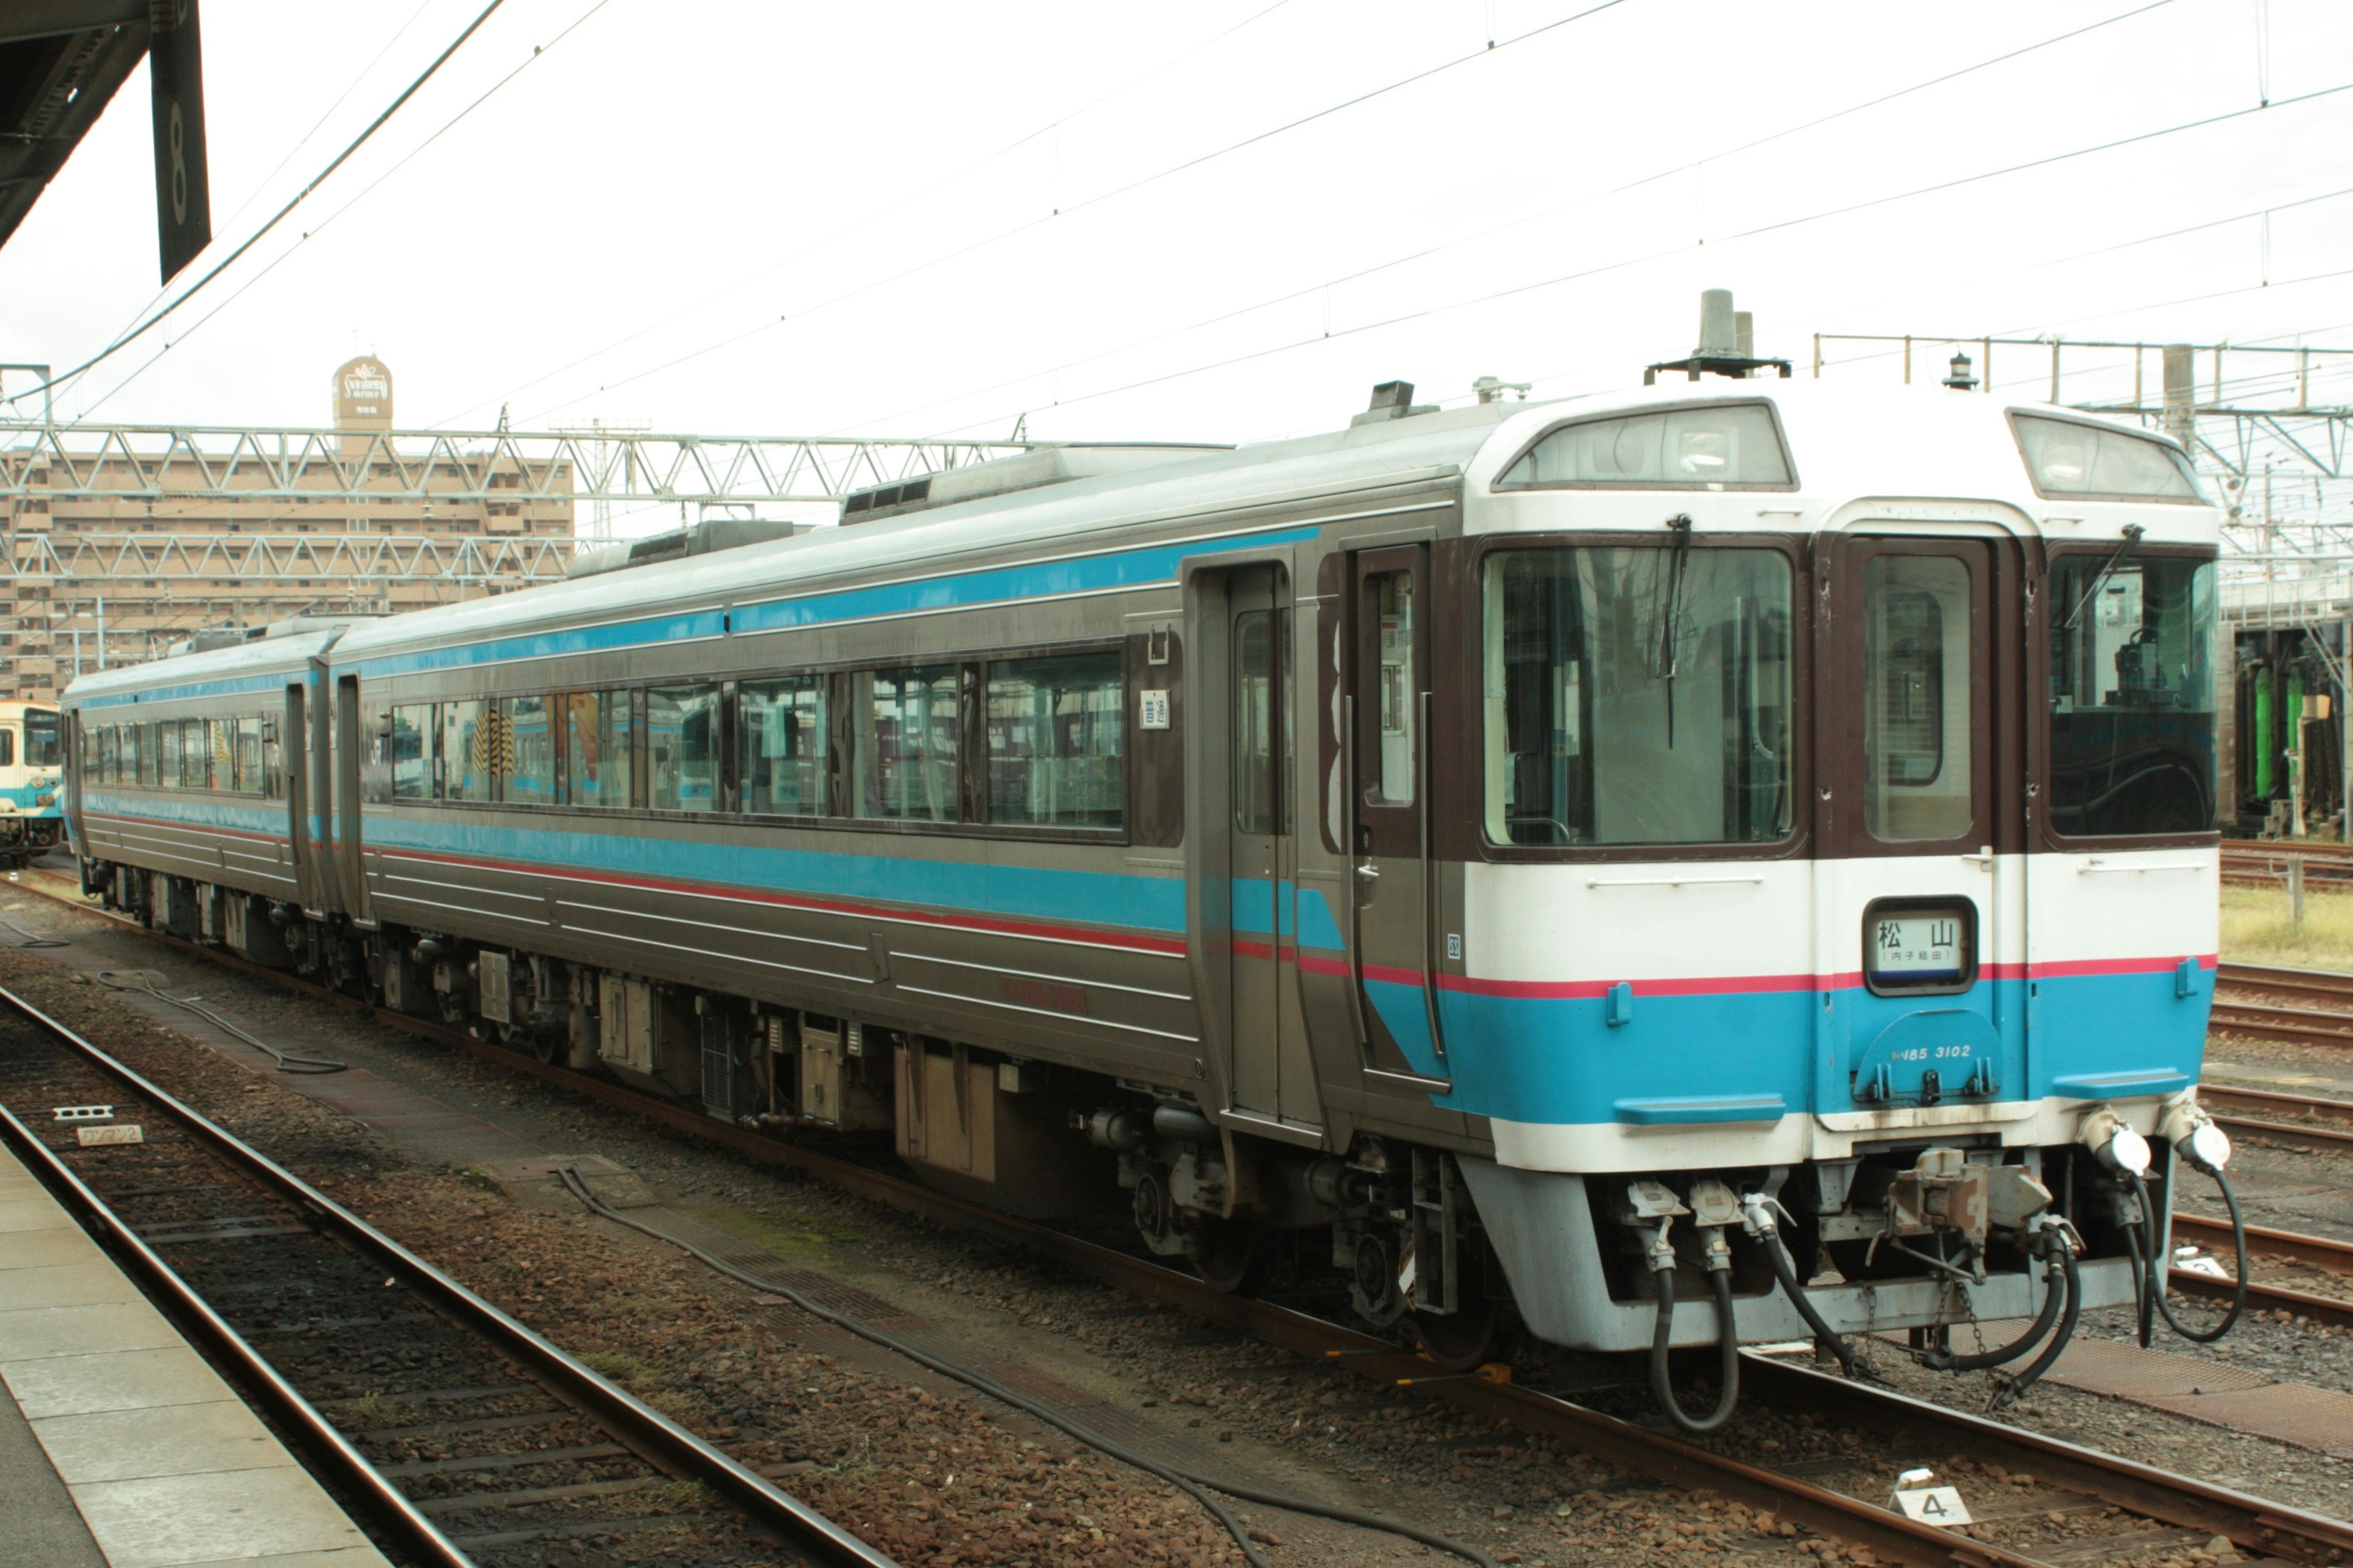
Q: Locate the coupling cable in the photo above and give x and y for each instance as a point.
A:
(2156, 1267)
(144, 980)
(1197, 1486)
(1661, 1255)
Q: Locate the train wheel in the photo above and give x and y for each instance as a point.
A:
(1463, 1339)
(1229, 1260)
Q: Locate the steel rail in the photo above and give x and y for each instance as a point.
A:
(653, 1437)
(2310, 984)
(2232, 1097)
(2295, 1026)
(2253, 1524)
(395, 1518)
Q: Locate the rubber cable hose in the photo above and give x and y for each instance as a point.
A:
(2073, 1279)
(1663, 1387)
(287, 1061)
(1785, 1269)
(2158, 1275)
(32, 938)
(1981, 1360)
(2144, 1264)
(1196, 1487)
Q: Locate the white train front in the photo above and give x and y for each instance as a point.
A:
(1716, 863)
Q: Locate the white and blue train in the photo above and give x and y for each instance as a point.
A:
(32, 780)
(1726, 861)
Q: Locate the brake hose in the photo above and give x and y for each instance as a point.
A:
(1785, 1269)
(1663, 1387)
(1196, 1487)
(2156, 1271)
(2073, 1280)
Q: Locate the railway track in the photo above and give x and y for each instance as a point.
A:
(2074, 1475)
(463, 1439)
(2259, 862)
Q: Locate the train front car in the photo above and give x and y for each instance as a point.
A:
(1838, 923)
(32, 770)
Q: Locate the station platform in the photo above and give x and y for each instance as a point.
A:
(120, 1448)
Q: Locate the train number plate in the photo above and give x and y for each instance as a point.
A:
(1919, 948)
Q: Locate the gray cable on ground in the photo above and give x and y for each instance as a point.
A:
(1196, 1487)
(287, 1061)
(32, 938)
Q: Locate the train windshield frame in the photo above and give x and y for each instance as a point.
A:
(45, 745)
(2129, 705)
(1638, 695)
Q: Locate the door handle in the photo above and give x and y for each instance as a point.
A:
(1369, 872)
(1983, 859)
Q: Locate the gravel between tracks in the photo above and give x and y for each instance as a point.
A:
(885, 1445)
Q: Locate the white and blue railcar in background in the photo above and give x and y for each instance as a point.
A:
(32, 780)
(1728, 860)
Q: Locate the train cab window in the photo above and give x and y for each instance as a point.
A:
(1916, 665)
(527, 765)
(596, 748)
(908, 737)
(1056, 745)
(1734, 446)
(469, 751)
(2089, 462)
(1636, 696)
(781, 733)
(44, 741)
(682, 748)
(408, 751)
(2132, 695)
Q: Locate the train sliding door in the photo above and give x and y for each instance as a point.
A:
(1392, 945)
(1271, 1072)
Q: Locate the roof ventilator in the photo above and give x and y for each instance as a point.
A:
(1727, 345)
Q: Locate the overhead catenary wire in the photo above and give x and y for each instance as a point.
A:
(1776, 227)
(538, 52)
(133, 334)
(1424, 253)
(1025, 226)
(1197, 1486)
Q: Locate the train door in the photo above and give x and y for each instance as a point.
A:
(1271, 1072)
(1391, 953)
(1918, 746)
(293, 751)
(347, 764)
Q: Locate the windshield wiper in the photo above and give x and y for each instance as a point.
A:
(1669, 659)
(2133, 532)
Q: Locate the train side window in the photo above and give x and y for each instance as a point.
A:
(220, 764)
(596, 748)
(1261, 670)
(409, 751)
(469, 751)
(139, 764)
(682, 748)
(780, 727)
(110, 752)
(7, 747)
(1057, 743)
(167, 754)
(199, 739)
(907, 741)
(1915, 728)
(251, 777)
(527, 748)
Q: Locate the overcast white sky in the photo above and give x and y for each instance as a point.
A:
(797, 218)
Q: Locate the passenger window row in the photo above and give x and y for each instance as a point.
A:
(236, 756)
(1033, 742)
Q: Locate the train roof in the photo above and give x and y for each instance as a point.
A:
(1847, 440)
(256, 664)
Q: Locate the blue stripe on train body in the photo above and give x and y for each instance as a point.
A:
(1525, 1059)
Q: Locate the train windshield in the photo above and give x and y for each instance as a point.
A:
(44, 744)
(1636, 696)
(2085, 462)
(2132, 695)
